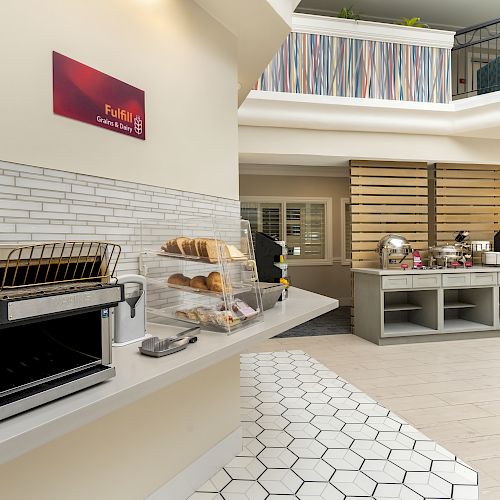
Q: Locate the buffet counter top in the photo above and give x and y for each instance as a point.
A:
(138, 375)
(391, 272)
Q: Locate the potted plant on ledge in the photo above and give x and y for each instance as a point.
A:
(348, 13)
(414, 22)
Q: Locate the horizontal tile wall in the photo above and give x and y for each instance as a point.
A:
(38, 204)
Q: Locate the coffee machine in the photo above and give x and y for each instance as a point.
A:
(272, 265)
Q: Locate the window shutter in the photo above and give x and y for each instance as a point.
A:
(250, 212)
(263, 217)
(305, 230)
(301, 224)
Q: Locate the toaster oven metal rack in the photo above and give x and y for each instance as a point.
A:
(58, 262)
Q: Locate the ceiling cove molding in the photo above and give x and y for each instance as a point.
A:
(293, 170)
(369, 30)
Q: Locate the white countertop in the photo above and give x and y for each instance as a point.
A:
(138, 375)
(390, 272)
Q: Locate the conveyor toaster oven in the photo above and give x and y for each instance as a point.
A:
(55, 321)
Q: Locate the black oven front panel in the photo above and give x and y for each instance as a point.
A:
(36, 353)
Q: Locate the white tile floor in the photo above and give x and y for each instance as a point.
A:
(416, 381)
(310, 434)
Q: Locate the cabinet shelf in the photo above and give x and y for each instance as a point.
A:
(235, 288)
(459, 324)
(155, 316)
(402, 307)
(193, 258)
(412, 312)
(406, 328)
(458, 305)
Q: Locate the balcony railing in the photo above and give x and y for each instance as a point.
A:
(338, 57)
(476, 60)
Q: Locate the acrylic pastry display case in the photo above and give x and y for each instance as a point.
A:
(197, 271)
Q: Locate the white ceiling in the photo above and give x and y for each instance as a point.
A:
(451, 14)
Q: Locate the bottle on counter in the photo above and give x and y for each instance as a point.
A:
(417, 260)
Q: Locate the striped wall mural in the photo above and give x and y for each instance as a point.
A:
(329, 65)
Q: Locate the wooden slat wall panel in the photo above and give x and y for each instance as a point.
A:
(387, 197)
(467, 197)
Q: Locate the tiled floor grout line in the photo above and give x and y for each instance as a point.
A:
(333, 442)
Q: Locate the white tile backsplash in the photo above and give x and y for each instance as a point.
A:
(21, 205)
(77, 188)
(118, 193)
(41, 184)
(90, 209)
(6, 180)
(38, 204)
(55, 207)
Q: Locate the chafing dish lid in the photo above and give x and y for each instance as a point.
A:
(394, 242)
(446, 250)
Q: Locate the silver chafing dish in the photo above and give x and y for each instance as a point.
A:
(393, 250)
(451, 254)
(446, 255)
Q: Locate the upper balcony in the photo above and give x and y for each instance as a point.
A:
(362, 59)
(335, 74)
(476, 61)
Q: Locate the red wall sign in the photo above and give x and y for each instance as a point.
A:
(83, 93)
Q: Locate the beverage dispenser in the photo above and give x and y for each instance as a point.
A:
(272, 266)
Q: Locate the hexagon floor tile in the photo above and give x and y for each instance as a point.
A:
(343, 459)
(273, 422)
(277, 458)
(313, 469)
(244, 490)
(319, 491)
(248, 468)
(311, 435)
(274, 439)
(302, 430)
(280, 481)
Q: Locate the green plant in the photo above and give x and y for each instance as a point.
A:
(348, 13)
(415, 22)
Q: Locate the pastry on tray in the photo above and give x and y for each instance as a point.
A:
(198, 245)
(209, 316)
(199, 282)
(215, 282)
(179, 279)
(174, 246)
(207, 248)
(189, 247)
(181, 314)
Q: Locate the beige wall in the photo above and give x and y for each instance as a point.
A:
(172, 49)
(335, 280)
(130, 453)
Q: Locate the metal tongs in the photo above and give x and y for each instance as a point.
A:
(156, 347)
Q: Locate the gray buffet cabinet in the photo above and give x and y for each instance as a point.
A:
(396, 306)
